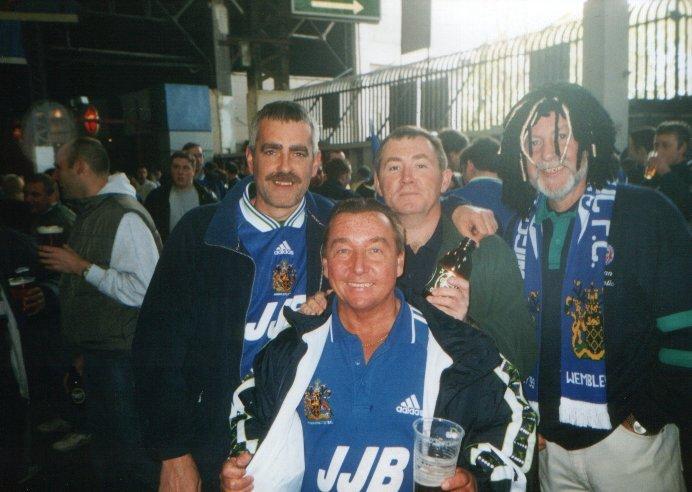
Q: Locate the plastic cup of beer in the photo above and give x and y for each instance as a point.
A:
(50, 235)
(435, 452)
(19, 289)
(650, 169)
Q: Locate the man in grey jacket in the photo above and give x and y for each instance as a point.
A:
(106, 268)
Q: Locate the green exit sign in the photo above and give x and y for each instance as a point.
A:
(338, 10)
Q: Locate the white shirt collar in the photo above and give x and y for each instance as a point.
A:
(262, 222)
(486, 178)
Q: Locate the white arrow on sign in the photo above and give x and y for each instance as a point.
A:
(355, 6)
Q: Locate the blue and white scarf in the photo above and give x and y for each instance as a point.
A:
(583, 400)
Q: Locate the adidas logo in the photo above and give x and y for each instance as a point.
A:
(410, 406)
(283, 249)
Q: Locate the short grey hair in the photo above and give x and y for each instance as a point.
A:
(413, 132)
(283, 111)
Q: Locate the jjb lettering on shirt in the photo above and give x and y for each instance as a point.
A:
(358, 418)
(269, 327)
(387, 466)
(279, 253)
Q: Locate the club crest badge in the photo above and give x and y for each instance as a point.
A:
(610, 255)
(584, 307)
(315, 404)
(534, 302)
(283, 277)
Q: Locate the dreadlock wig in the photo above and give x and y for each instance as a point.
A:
(590, 126)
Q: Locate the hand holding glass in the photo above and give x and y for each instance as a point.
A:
(650, 169)
(435, 452)
(20, 290)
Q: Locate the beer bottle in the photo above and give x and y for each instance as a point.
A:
(455, 262)
(77, 393)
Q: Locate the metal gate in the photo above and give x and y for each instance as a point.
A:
(474, 90)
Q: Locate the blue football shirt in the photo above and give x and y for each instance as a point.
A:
(358, 418)
(280, 257)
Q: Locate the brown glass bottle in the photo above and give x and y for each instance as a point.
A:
(456, 261)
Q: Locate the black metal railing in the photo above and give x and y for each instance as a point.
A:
(473, 90)
(660, 44)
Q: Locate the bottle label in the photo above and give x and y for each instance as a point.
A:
(78, 396)
(439, 279)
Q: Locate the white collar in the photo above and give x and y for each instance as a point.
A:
(262, 222)
(485, 178)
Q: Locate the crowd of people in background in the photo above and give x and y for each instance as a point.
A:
(133, 281)
(655, 157)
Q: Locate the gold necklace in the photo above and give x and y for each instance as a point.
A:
(376, 342)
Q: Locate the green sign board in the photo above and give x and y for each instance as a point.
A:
(338, 10)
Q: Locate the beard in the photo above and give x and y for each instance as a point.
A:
(572, 180)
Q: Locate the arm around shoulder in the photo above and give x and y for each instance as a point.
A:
(498, 303)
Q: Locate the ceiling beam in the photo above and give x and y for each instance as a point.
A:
(132, 17)
(127, 54)
(234, 40)
(186, 34)
(183, 9)
(65, 59)
(38, 17)
(238, 7)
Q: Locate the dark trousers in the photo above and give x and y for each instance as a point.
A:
(13, 413)
(111, 416)
(42, 357)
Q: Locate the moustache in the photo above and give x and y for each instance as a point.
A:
(544, 166)
(285, 177)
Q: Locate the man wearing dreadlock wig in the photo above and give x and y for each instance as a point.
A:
(607, 272)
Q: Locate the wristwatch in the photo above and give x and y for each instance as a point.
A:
(632, 424)
(85, 272)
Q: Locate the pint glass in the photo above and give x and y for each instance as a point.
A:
(19, 289)
(650, 169)
(50, 235)
(435, 452)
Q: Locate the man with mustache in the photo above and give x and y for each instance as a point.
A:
(218, 293)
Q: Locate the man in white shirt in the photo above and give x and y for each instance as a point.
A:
(183, 196)
(106, 268)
